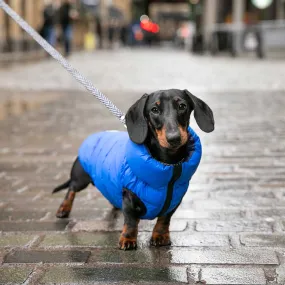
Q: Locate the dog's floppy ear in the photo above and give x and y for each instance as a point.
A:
(202, 113)
(136, 122)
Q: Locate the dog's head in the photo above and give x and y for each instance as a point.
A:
(166, 115)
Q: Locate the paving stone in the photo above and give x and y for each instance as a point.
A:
(79, 214)
(233, 276)
(271, 275)
(221, 256)
(209, 214)
(92, 226)
(21, 215)
(111, 239)
(150, 255)
(101, 202)
(11, 240)
(187, 238)
(212, 204)
(283, 224)
(3, 252)
(243, 194)
(81, 239)
(96, 226)
(64, 275)
(234, 226)
(47, 256)
(198, 239)
(175, 226)
(14, 275)
(262, 240)
(280, 273)
(33, 226)
(272, 212)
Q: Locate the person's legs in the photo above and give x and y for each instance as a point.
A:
(67, 34)
(50, 35)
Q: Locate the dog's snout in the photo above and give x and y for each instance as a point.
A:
(173, 138)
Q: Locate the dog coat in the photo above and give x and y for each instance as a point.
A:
(114, 162)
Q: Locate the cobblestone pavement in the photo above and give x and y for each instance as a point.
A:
(228, 230)
(150, 70)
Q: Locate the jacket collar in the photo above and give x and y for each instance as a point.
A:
(156, 173)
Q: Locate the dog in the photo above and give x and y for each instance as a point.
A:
(145, 171)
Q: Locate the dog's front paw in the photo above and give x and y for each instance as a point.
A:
(159, 239)
(128, 243)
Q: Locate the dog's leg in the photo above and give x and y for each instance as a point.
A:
(160, 234)
(66, 206)
(133, 209)
(79, 180)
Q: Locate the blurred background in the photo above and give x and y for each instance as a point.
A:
(198, 26)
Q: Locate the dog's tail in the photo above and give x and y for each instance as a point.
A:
(62, 186)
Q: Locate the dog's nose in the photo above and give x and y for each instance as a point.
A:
(173, 138)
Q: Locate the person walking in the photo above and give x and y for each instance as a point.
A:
(67, 14)
(99, 33)
(48, 28)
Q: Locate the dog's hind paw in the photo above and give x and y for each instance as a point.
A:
(62, 214)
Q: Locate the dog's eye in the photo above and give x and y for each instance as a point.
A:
(182, 106)
(155, 110)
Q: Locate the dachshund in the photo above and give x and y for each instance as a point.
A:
(158, 138)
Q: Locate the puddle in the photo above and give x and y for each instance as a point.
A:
(15, 105)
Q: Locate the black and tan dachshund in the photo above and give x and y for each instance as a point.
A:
(159, 120)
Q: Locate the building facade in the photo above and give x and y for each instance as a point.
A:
(13, 38)
(239, 11)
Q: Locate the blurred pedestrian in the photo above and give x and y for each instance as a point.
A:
(124, 34)
(99, 33)
(111, 33)
(67, 14)
(49, 19)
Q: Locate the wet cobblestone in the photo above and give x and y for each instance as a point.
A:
(13, 240)
(233, 276)
(118, 274)
(47, 257)
(230, 228)
(14, 275)
(221, 256)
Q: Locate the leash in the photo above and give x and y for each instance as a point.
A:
(60, 59)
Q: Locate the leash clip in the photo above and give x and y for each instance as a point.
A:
(122, 119)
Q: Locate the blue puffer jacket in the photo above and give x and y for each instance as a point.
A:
(114, 162)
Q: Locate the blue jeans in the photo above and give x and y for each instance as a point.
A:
(50, 36)
(67, 38)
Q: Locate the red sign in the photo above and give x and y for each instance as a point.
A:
(149, 26)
